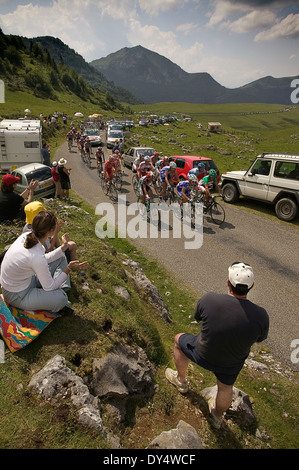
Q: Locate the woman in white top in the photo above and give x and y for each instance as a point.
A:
(26, 271)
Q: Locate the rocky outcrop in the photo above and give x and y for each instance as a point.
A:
(56, 381)
(146, 289)
(183, 436)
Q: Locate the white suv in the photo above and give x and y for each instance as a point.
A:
(272, 178)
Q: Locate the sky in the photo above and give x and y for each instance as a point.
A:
(236, 42)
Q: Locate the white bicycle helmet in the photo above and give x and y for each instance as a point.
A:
(192, 177)
(172, 165)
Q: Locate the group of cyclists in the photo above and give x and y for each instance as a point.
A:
(161, 173)
(154, 173)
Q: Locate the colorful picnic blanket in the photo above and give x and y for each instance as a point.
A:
(19, 328)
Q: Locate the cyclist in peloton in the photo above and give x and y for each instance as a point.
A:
(109, 169)
(145, 166)
(184, 187)
(199, 171)
(168, 177)
(100, 157)
(144, 186)
(117, 161)
(137, 161)
(204, 183)
(154, 159)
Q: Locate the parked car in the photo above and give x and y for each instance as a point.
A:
(185, 163)
(94, 137)
(272, 178)
(115, 127)
(35, 171)
(134, 152)
(112, 136)
(143, 122)
(129, 124)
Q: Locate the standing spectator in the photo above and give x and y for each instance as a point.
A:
(230, 325)
(11, 203)
(64, 174)
(56, 179)
(46, 154)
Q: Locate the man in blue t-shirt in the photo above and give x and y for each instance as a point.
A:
(230, 325)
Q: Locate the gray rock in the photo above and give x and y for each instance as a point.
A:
(122, 292)
(240, 407)
(57, 381)
(147, 289)
(183, 436)
(123, 372)
(256, 365)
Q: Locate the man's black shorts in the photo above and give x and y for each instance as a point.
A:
(226, 375)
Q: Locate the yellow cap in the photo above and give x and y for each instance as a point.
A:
(32, 209)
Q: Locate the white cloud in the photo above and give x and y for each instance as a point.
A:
(287, 28)
(223, 9)
(187, 28)
(153, 7)
(165, 43)
(254, 20)
(57, 20)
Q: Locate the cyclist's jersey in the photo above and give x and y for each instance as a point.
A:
(117, 164)
(194, 171)
(136, 163)
(144, 168)
(163, 171)
(187, 185)
(154, 160)
(207, 180)
(109, 167)
(144, 180)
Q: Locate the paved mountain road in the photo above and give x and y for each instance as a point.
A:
(270, 246)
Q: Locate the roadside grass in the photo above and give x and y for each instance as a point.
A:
(103, 320)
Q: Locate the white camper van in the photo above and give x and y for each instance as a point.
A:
(20, 143)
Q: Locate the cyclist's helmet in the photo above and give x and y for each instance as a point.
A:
(156, 154)
(212, 172)
(111, 158)
(192, 177)
(201, 165)
(165, 159)
(195, 171)
(147, 158)
(150, 174)
(172, 165)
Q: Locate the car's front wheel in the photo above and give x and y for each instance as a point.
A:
(230, 193)
(286, 209)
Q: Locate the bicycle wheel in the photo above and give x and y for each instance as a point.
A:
(217, 213)
(118, 182)
(113, 193)
(135, 185)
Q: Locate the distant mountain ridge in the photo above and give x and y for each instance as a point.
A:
(93, 77)
(153, 78)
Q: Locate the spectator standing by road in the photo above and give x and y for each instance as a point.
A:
(64, 174)
(230, 325)
(46, 154)
(56, 179)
